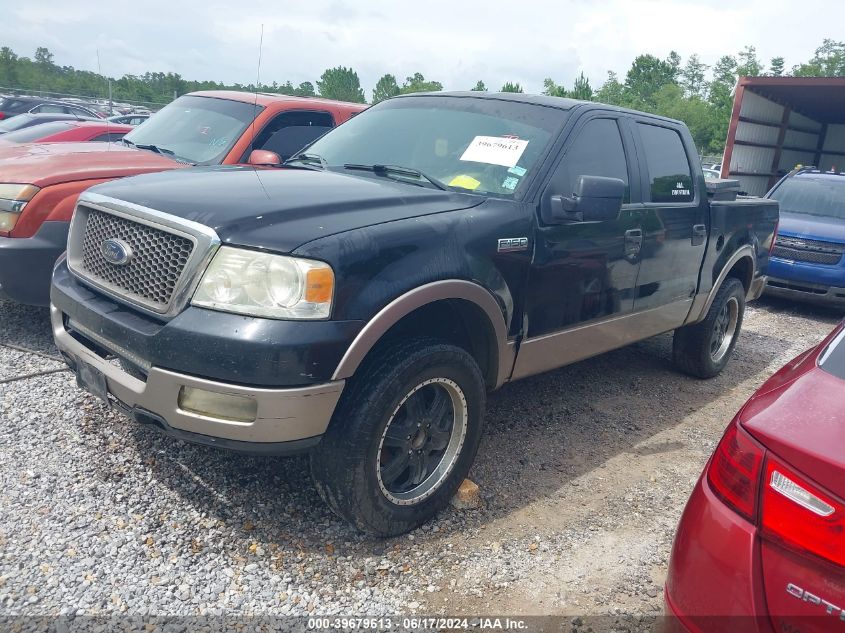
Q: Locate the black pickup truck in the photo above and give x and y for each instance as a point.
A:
(360, 301)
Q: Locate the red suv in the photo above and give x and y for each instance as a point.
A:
(761, 544)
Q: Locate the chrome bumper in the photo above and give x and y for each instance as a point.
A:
(283, 415)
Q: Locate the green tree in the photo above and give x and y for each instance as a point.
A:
(552, 89)
(43, 57)
(341, 84)
(305, 89)
(693, 77)
(748, 65)
(511, 87)
(674, 62)
(418, 83)
(582, 88)
(386, 87)
(647, 75)
(612, 91)
(480, 87)
(828, 61)
(776, 66)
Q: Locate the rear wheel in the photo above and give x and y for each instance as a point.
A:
(704, 349)
(403, 437)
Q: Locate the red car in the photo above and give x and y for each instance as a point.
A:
(67, 131)
(761, 544)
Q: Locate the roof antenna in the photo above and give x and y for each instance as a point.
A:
(257, 84)
(108, 123)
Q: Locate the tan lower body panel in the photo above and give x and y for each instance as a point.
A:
(283, 415)
(551, 351)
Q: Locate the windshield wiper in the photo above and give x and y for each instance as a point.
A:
(397, 170)
(155, 148)
(127, 142)
(308, 158)
(159, 150)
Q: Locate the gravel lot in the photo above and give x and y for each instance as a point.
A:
(583, 473)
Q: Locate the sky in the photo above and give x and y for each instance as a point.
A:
(456, 42)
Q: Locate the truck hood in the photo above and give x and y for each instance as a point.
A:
(281, 209)
(45, 164)
(812, 227)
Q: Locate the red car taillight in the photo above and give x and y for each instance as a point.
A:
(735, 469)
(2, 115)
(801, 514)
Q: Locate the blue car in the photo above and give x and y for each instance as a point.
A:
(807, 262)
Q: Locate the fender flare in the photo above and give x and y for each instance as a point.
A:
(403, 305)
(744, 251)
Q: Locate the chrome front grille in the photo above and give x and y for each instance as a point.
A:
(158, 257)
(163, 254)
(810, 251)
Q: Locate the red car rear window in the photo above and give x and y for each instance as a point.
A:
(832, 360)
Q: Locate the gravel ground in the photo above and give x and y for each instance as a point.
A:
(583, 473)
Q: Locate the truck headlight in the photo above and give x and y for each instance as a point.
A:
(13, 199)
(264, 285)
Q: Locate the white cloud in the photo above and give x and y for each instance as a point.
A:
(456, 43)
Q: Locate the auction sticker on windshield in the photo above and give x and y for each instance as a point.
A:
(495, 150)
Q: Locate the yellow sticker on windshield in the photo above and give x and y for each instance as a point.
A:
(464, 182)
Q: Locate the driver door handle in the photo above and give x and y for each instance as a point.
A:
(633, 242)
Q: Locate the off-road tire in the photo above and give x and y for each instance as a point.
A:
(691, 346)
(344, 466)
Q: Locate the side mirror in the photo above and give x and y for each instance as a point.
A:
(596, 199)
(264, 157)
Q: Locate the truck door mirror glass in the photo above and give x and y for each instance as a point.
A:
(596, 199)
(264, 157)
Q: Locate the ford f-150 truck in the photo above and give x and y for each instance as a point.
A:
(40, 183)
(359, 302)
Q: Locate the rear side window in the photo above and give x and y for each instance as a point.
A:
(290, 132)
(596, 151)
(49, 108)
(669, 173)
(12, 105)
(110, 137)
(832, 360)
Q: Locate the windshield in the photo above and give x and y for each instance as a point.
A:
(822, 197)
(485, 146)
(198, 130)
(35, 132)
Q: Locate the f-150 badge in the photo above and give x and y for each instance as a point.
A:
(510, 244)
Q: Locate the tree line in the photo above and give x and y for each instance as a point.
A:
(698, 94)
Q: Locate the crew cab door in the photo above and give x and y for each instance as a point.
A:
(674, 221)
(582, 272)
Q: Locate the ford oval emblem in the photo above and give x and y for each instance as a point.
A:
(116, 252)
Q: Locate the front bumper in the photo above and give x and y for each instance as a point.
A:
(287, 420)
(26, 263)
(805, 291)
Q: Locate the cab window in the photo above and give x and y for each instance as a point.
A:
(596, 151)
(290, 132)
(669, 173)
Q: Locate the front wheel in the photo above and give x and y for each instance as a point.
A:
(403, 437)
(704, 349)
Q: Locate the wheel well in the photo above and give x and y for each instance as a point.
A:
(457, 321)
(744, 271)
